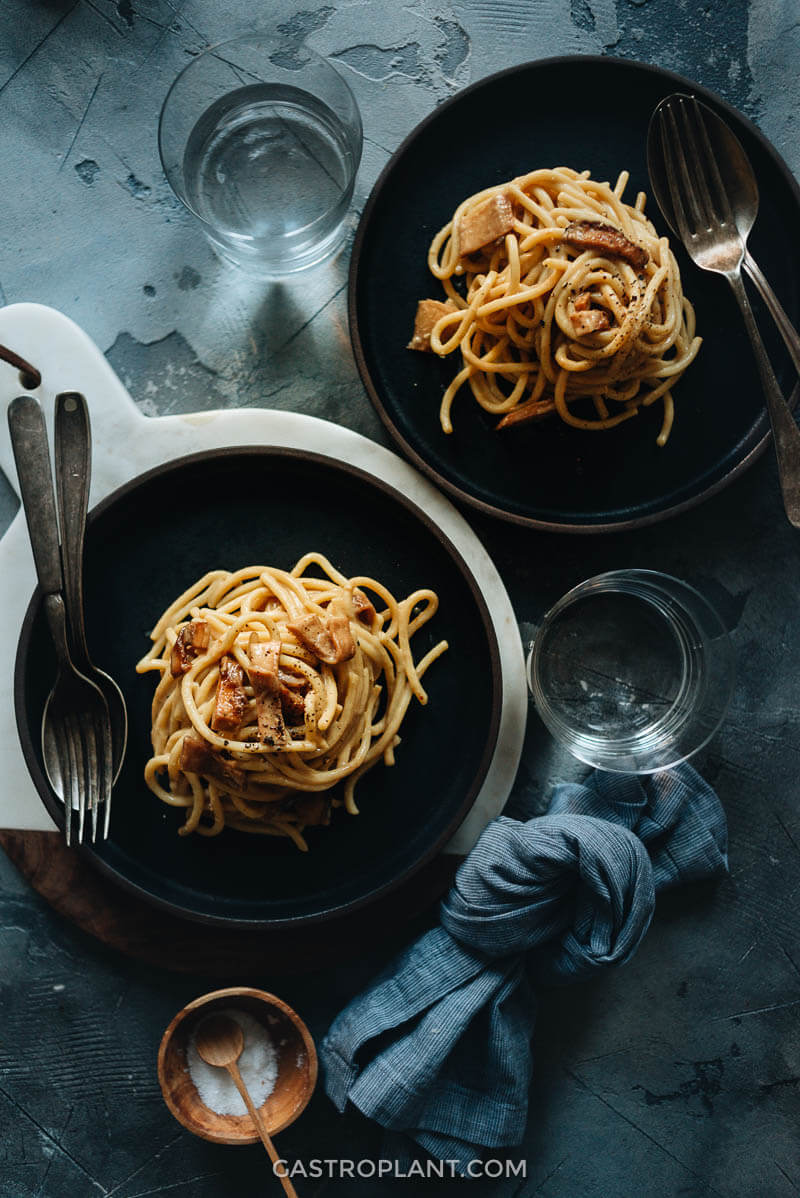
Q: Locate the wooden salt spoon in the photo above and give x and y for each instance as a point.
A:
(219, 1041)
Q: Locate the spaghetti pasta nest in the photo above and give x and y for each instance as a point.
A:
(276, 686)
(561, 298)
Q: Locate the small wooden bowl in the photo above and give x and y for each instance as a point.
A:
(297, 1066)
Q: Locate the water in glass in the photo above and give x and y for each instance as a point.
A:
(269, 167)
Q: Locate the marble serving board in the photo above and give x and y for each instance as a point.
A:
(126, 443)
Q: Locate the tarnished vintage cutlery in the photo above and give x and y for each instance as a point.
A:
(73, 468)
(76, 727)
(696, 188)
(739, 181)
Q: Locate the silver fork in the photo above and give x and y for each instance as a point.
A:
(706, 224)
(76, 728)
(73, 466)
(70, 736)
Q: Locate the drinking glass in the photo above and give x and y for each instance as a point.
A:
(632, 671)
(261, 142)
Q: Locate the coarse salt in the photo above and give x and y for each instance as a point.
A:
(258, 1066)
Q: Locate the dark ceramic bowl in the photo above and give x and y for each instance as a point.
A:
(145, 544)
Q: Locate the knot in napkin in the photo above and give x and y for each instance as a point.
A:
(675, 813)
(574, 891)
(438, 1046)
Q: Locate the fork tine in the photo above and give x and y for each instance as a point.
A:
(676, 169)
(723, 207)
(80, 774)
(103, 758)
(690, 119)
(92, 768)
(108, 760)
(67, 779)
(71, 773)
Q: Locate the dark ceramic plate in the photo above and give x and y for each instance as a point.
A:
(548, 475)
(146, 543)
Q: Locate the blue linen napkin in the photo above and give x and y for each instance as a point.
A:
(439, 1046)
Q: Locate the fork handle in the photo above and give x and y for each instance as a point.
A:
(73, 458)
(32, 459)
(785, 432)
(782, 322)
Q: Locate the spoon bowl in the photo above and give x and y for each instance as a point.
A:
(219, 1040)
(297, 1066)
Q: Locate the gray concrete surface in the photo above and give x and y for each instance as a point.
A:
(679, 1075)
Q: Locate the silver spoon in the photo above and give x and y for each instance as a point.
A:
(73, 463)
(739, 181)
(76, 729)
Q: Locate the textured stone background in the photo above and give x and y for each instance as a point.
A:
(679, 1075)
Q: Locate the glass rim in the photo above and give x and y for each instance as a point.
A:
(598, 750)
(633, 573)
(210, 51)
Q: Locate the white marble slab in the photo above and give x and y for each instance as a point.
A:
(126, 443)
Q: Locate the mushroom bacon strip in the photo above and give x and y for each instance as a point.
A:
(265, 681)
(363, 608)
(331, 641)
(591, 235)
(193, 639)
(197, 757)
(231, 701)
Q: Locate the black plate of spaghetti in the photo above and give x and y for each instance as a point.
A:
(572, 387)
(318, 689)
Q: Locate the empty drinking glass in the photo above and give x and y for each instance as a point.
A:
(262, 141)
(632, 671)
